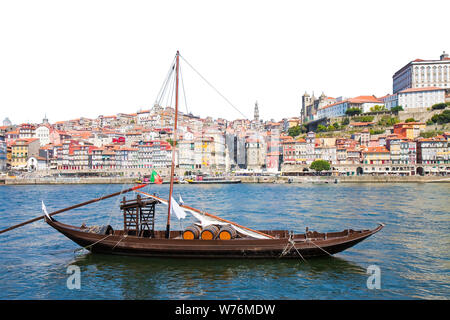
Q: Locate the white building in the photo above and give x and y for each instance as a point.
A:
(43, 134)
(365, 103)
(420, 97)
(390, 101)
(423, 73)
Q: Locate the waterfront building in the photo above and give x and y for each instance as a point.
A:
(398, 150)
(353, 156)
(327, 153)
(288, 144)
(341, 155)
(310, 147)
(43, 134)
(144, 155)
(433, 150)
(256, 152)
(376, 155)
(27, 131)
(273, 161)
(274, 153)
(80, 156)
(423, 73)
(22, 150)
(97, 158)
(3, 153)
(37, 164)
(109, 159)
(203, 150)
(161, 154)
(300, 151)
(186, 154)
(415, 98)
(218, 155)
(126, 158)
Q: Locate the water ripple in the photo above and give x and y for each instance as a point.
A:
(412, 251)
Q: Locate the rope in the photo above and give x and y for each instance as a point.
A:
(213, 87)
(90, 245)
(292, 242)
(308, 240)
(164, 86)
(184, 92)
(293, 245)
(119, 241)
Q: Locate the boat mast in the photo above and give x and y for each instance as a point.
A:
(172, 168)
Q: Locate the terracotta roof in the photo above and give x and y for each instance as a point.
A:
(421, 89)
(27, 141)
(376, 150)
(363, 99)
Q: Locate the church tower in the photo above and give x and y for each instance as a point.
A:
(256, 113)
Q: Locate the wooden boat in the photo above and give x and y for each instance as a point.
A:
(211, 237)
(282, 245)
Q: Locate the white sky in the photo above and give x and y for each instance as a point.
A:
(69, 59)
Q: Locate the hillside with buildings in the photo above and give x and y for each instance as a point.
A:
(403, 133)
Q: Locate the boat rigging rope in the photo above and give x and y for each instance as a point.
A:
(184, 91)
(164, 85)
(292, 243)
(123, 237)
(90, 245)
(308, 240)
(214, 88)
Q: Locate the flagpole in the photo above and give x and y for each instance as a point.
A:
(172, 168)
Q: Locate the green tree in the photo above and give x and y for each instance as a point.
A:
(296, 130)
(378, 108)
(346, 121)
(352, 111)
(441, 118)
(363, 118)
(387, 121)
(321, 128)
(336, 126)
(410, 120)
(397, 109)
(320, 165)
(438, 106)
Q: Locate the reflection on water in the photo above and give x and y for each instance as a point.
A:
(195, 278)
(412, 251)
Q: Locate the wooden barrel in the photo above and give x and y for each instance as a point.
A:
(191, 232)
(209, 232)
(227, 233)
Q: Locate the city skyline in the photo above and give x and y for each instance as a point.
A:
(77, 61)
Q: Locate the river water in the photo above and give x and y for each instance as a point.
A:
(412, 252)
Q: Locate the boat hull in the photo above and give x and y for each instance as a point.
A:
(299, 246)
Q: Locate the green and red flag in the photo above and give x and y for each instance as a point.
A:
(155, 178)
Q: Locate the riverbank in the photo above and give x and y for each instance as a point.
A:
(244, 179)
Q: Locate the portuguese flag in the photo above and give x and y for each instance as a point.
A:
(155, 178)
